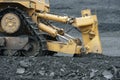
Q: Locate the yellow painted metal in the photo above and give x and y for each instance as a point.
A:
(86, 12)
(70, 47)
(88, 26)
(25, 3)
(51, 29)
(48, 29)
(57, 18)
(90, 35)
(30, 4)
(83, 21)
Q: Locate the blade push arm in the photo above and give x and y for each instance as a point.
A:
(82, 21)
(88, 26)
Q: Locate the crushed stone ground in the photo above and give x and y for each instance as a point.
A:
(90, 67)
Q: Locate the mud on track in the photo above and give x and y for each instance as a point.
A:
(90, 67)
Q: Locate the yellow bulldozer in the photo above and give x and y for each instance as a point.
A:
(25, 30)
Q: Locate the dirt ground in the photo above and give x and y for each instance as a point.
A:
(90, 67)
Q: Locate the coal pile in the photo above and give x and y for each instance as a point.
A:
(90, 67)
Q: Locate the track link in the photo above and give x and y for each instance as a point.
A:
(31, 26)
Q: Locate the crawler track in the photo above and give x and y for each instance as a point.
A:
(31, 27)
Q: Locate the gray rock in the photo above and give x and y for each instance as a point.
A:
(62, 70)
(107, 74)
(42, 73)
(25, 63)
(92, 74)
(20, 70)
(52, 74)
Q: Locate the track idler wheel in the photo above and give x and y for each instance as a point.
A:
(10, 23)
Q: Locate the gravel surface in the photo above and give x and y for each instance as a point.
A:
(90, 67)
